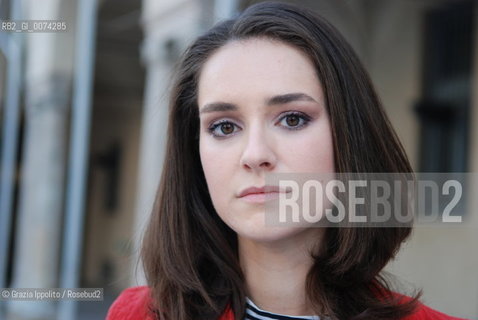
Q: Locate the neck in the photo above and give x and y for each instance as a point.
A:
(276, 272)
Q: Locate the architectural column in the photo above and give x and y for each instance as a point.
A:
(48, 73)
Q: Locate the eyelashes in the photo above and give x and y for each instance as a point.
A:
(299, 120)
(292, 120)
(221, 125)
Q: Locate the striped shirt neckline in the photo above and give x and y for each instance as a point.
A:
(253, 312)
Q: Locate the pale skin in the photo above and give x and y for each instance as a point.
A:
(246, 133)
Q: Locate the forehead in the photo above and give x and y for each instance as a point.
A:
(257, 67)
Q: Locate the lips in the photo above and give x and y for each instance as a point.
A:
(261, 194)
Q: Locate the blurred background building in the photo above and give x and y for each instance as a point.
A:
(83, 121)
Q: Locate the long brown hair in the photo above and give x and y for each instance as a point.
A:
(190, 256)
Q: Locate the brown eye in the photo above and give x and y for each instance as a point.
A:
(227, 128)
(292, 120)
(222, 129)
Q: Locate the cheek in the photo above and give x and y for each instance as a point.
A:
(217, 171)
(313, 151)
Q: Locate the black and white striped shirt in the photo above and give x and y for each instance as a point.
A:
(253, 312)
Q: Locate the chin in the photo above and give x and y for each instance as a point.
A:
(268, 234)
(250, 224)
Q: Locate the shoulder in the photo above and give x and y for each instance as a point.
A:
(424, 312)
(131, 304)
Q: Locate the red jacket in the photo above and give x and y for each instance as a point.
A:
(132, 304)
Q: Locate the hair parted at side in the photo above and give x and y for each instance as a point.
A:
(190, 256)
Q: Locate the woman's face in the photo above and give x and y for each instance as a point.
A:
(262, 111)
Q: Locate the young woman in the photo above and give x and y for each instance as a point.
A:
(275, 90)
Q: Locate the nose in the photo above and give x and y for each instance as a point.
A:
(258, 153)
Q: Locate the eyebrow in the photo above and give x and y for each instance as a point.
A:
(275, 100)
